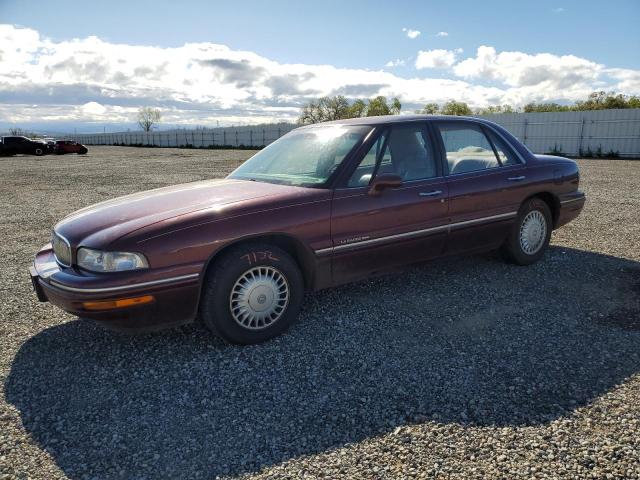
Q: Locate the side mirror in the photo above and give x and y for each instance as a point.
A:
(384, 181)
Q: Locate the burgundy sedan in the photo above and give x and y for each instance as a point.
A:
(323, 205)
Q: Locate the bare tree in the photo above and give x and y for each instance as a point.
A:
(15, 131)
(148, 117)
(325, 109)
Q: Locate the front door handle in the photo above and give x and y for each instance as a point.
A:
(516, 179)
(433, 193)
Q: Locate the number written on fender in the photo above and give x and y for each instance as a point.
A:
(254, 257)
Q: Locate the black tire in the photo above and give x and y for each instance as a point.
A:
(39, 152)
(215, 303)
(513, 248)
(83, 151)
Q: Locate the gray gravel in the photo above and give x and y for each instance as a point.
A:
(461, 368)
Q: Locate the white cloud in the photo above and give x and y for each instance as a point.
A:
(92, 80)
(626, 80)
(93, 109)
(398, 62)
(438, 58)
(558, 10)
(442, 34)
(517, 69)
(411, 33)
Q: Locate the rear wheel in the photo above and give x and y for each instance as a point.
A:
(530, 234)
(251, 294)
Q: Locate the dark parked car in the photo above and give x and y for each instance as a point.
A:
(323, 205)
(51, 145)
(13, 145)
(69, 146)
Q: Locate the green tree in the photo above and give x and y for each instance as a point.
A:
(492, 109)
(603, 101)
(396, 106)
(336, 108)
(357, 109)
(455, 108)
(380, 106)
(430, 109)
(546, 107)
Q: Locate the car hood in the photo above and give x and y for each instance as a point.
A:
(98, 225)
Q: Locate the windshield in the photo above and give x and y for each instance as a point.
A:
(305, 157)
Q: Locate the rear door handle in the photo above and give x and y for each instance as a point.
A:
(434, 193)
(516, 179)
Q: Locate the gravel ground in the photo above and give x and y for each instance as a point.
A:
(461, 368)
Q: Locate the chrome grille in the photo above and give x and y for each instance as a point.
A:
(61, 249)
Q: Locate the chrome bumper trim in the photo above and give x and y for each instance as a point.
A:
(122, 287)
(564, 202)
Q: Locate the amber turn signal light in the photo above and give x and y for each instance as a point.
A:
(120, 303)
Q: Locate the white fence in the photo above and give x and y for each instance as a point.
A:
(571, 133)
(576, 133)
(246, 136)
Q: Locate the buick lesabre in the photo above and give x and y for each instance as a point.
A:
(323, 205)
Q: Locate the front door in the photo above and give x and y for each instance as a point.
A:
(401, 225)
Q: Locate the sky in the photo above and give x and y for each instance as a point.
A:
(91, 65)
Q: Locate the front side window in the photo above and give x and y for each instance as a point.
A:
(403, 150)
(467, 148)
(363, 174)
(303, 157)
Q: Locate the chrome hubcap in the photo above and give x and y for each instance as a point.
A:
(533, 232)
(259, 297)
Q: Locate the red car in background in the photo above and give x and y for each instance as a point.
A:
(69, 146)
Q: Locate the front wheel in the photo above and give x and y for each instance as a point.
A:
(530, 234)
(39, 152)
(251, 294)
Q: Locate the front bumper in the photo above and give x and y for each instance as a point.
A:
(571, 204)
(175, 293)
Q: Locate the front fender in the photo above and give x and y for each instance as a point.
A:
(188, 240)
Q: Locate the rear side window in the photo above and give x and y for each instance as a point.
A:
(505, 154)
(467, 148)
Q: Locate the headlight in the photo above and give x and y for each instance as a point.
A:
(98, 261)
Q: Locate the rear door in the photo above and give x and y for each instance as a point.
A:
(402, 225)
(486, 181)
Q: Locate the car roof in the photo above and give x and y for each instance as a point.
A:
(391, 119)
